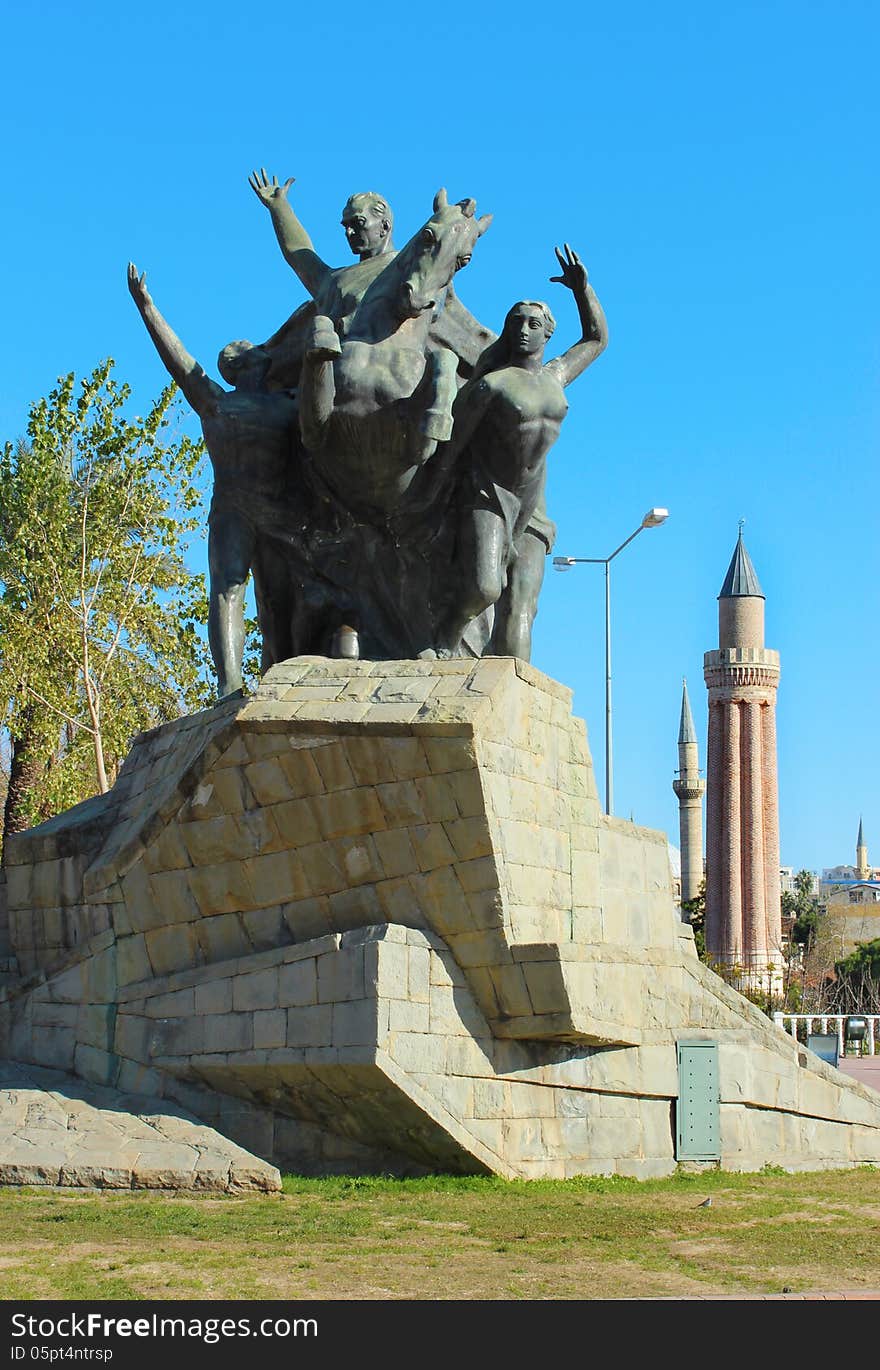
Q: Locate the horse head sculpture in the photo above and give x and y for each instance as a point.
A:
(441, 247)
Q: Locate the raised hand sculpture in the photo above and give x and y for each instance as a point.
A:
(506, 419)
(248, 433)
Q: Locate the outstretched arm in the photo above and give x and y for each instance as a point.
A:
(594, 329)
(198, 387)
(293, 240)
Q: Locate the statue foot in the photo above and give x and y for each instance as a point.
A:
(437, 424)
(324, 342)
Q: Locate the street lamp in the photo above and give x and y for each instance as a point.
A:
(652, 519)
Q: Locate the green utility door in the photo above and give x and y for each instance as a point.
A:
(698, 1121)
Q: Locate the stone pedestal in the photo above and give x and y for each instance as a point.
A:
(372, 919)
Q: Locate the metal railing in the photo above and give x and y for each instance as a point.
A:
(830, 1022)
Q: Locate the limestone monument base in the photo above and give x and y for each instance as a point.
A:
(372, 919)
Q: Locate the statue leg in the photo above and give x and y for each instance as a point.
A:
(432, 401)
(317, 388)
(482, 564)
(273, 593)
(230, 554)
(518, 604)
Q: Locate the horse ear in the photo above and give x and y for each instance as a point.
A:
(440, 200)
(467, 208)
(483, 223)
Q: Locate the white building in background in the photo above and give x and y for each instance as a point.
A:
(788, 885)
(838, 879)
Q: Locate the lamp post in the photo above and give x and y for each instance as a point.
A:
(652, 519)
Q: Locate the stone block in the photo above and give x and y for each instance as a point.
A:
(298, 984)
(395, 852)
(341, 975)
(346, 813)
(333, 767)
(369, 759)
(437, 798)
(358, 857)
(257, 991)
(445, 754)
(300, 767)
(232, 793)
(174, 948)
(392, 975)
(470, 838)
(406, 1016)
(296, 822)
(586, 925)
(399, 902)
(443, 902)
(270, 1028)
(132, 961)
(101, 1067)
(170, 900)
(265, 928)
(221, 938)
(310, 1026)
(401, 803)
(49, 1014)
(354, 1023)
(212, 840)
(320, 870)
(511, 992)
(406, 754)
(224, 888)
(354, 908)
(213, 997)
(268, 781)
(307, 918)
(133, 1078)
(229, 1032)
(274, 879)
(431, 846)
(419, 974)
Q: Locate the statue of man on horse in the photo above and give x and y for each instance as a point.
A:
(368, 539)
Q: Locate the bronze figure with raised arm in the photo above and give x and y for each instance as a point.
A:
(248, 434)
(367, 220)
(506, 419)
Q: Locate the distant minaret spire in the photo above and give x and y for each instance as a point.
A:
(863, 870)
(689, 788)
(742, 808)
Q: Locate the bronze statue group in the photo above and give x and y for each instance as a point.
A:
(380, 462)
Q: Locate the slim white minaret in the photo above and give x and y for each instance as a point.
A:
(689, 788)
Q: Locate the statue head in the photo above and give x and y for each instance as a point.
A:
(527, 327)
(243, 365)
(367, 220)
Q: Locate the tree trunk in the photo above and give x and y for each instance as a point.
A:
(26, 769)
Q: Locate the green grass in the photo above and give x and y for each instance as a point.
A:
(446, 1237)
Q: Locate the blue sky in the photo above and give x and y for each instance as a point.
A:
(716, 169)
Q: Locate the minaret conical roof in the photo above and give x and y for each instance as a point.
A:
(860, 841)
(741, 578)
(686, 730)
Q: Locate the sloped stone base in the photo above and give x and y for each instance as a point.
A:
(57, 1130)
(373, 919)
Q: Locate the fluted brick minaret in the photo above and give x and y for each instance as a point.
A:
(689, 788)
(742, 809)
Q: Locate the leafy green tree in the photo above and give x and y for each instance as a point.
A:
(99, 615)
(695, 912)
(856, 987)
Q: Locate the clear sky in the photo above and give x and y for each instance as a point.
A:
(716, 168)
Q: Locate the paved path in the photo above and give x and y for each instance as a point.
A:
(58, 1130)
